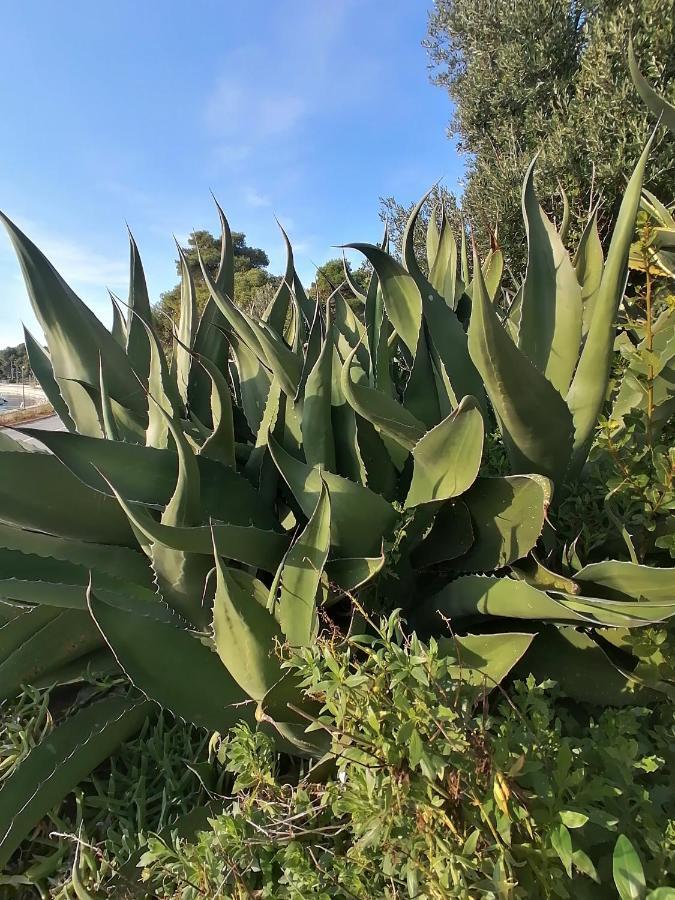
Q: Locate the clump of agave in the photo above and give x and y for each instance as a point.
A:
(200, 513)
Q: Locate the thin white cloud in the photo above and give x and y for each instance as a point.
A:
(255, 199)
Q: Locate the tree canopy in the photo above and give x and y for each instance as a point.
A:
(549, 76)
(253, 284)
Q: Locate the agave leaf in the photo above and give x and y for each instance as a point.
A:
(582, 669)
(359, 517)
(565, 224)
(300, 574)
(117, 561)
(317, 429)
(485, 659)
(290, 712)
(589, 385)
(246, 634)
(110, 430)
(147, 644)
(451, 535)
(348, 575)
(382, 411)
(655, 102)
(65, 637)
(531, 570)
(492, 270)
(550, 323)
(254, 383)
(119, 325)
(66, 756)
(620, 613)
(11, 445)
(377, 333)
(74, 335)
(163, 389)
(446, 337)
(284, 363)
(380, 472)
(310, 356)
(616, 580)
(58, 502)
(533, 417)
(588, 262)
(351, 284)
(42, 369)
(26, 622)
(277, 311)
(243, 543)
(464, 258)
(147, 475)
(425, 396)
(350, 334)
(476, 596)
(53, 582)
(220, 443)
(210, 339)
(443, 273)
(187, 324)
(236, 319)
(507, 516)
(401, 296)
(140, 314)
(447, 458)
(433, 235)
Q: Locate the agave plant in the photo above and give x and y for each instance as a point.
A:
(200, 513)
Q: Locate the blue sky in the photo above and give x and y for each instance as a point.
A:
(308, 110)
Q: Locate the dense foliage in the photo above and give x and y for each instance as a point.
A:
(550, 76)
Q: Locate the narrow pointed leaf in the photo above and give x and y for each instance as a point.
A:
(140, 314)
(656, 103)
(42, 369)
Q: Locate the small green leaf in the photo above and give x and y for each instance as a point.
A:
(562, 844)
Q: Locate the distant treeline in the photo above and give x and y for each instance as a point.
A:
(12, 359)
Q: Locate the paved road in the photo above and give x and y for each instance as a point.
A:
(51, 423)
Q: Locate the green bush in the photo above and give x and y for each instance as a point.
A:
(438, 792)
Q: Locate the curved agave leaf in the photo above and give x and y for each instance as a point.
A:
(446, 460)
(616, 580)
(656, 103)
(565, 224)
(550, 322)
(451, 535)
(243, 543)
(349, 332)
(380, 410)
(66, 756)
(210, 338)
(148, 475)
(507, 516)
(140, 314)
(534, 419)
(359, 517)
(220, 443)
(588, 262)
(351, 284)
(277, 310)
(317, 428)
(300, 574)
(589, 385)
(475, 596)
(58, 502)
(443, 272)
(46, 643)
(245, 632)
(187, 324)
(485, 659)
(348, 575)
(582, 669)
(254, 383)
(446, 338)
(42, 369)
(402, 298)
(119, 325)
(117, 561)
(51, 582)
(74, 335)
(148, 642)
